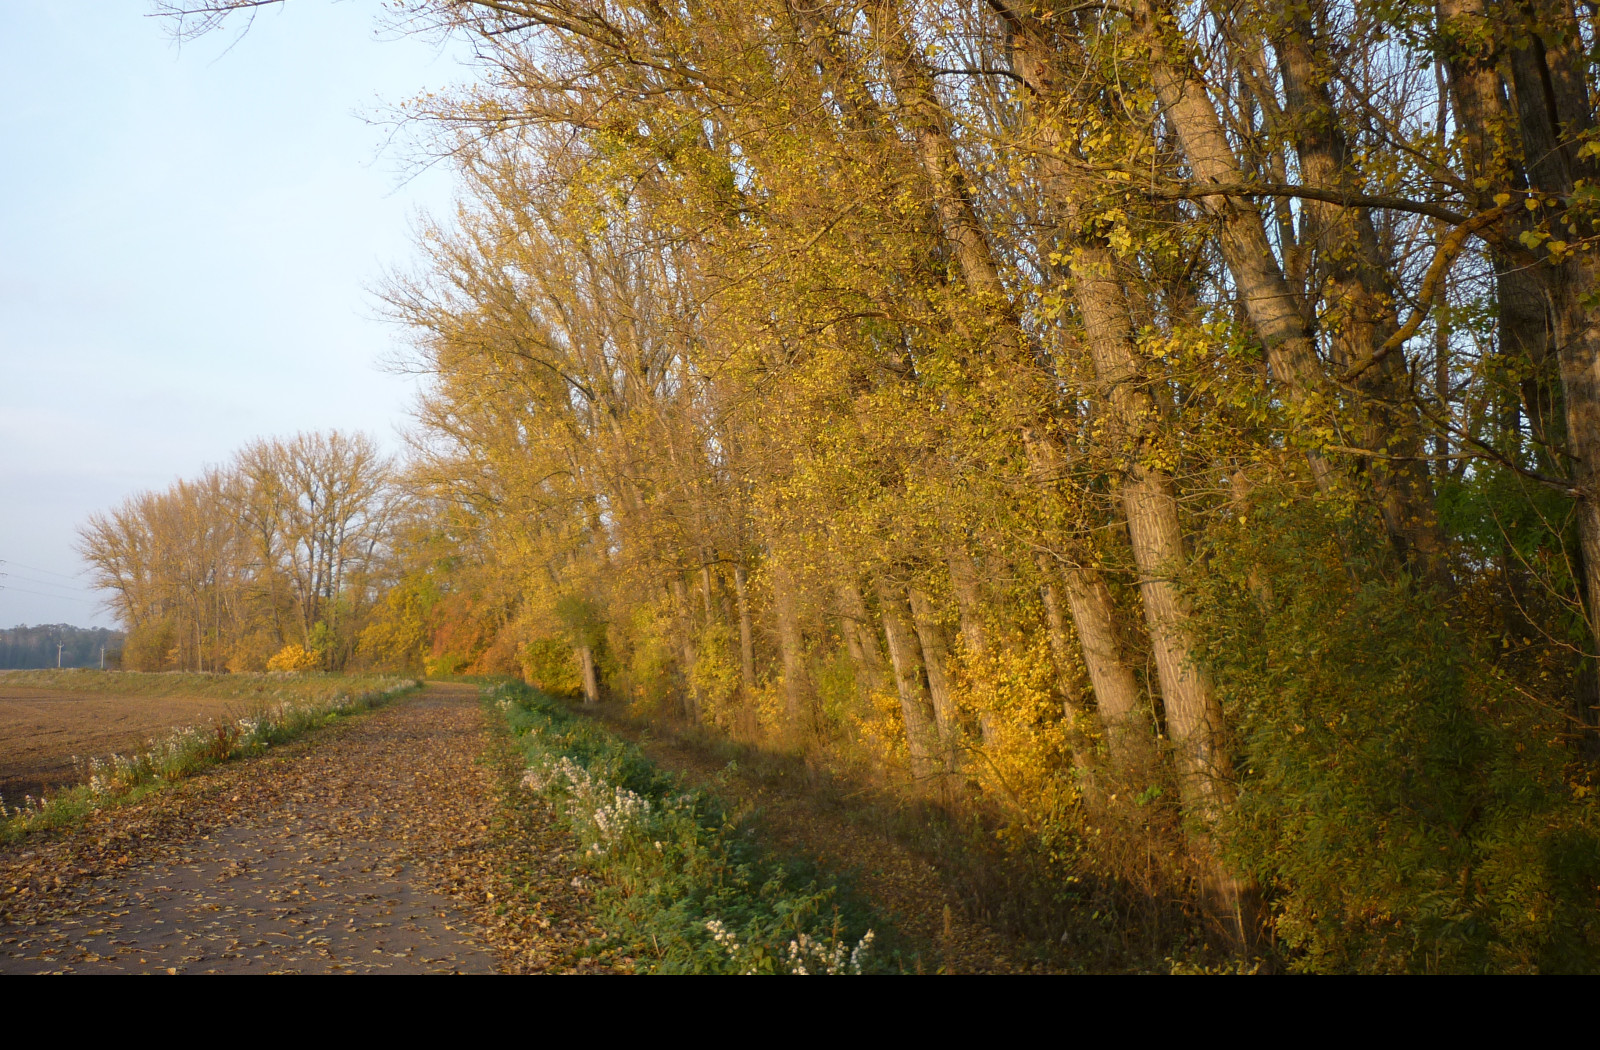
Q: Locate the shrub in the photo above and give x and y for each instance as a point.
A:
(294, 658)
(1404, 806)
(549, 666)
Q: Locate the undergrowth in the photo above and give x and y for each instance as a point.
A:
(684, 888)
(189, 750)
(1045, 897)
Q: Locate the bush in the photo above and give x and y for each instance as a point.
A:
(1404, 806)
(149, 647)
(294, 658)
(550, 667)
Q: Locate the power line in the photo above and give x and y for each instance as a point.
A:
(35, 568)
(42, 583)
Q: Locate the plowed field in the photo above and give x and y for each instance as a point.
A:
(42, 729)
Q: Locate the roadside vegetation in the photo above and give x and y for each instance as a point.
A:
(957, 878)
(273, 710)
(682, 888)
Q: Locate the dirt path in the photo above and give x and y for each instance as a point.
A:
(376, 844)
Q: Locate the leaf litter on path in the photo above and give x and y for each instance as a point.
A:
(377, 844)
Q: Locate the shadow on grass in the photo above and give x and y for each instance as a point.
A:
(1046, 909)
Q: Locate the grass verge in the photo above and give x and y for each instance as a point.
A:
(1037, 908)
(679, 886)
(290, 711)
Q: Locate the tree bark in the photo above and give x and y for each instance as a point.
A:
(861, 637)
(1055, 619)
(591, 683)
(1362, 316)
(935, 659)
(966, 582)
(796, 695)
(747, 652)
(685, 619)
(916, 708)
(1124, 717)
(1539, 142)
(1194, 717)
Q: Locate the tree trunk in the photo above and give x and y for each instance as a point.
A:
(916, 709)
(861, 637)
(1553, 116)
(966, 582)
(935, 658)
(1124, 717)
(591, 683)
(1194, 718)
(685, 620)
(1114, 683)
(1072, 698)
(1242, 237)
(796, 695)
(1362, 317)
(747, 653)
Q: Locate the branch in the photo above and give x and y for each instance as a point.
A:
(1315, 193)
(986, 72)
(1446, 254)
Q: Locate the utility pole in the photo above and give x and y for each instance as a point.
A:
(102, 658)
(59, 646)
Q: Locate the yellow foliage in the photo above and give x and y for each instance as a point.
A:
(399, 632)
(444, 665)
(548, 665)
(646, 660)
(715, 675)
(293, 658)
(881, 731)
(1025, 760)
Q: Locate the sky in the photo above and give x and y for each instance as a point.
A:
(189, 240)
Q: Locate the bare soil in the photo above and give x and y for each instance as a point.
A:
(42, 730)
(380, 843)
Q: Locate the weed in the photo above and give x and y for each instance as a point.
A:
(680, 884)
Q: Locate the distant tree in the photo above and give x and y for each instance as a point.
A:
(287, 544)
(31, 647)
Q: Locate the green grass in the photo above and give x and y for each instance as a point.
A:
(681, 887)
(293, 706)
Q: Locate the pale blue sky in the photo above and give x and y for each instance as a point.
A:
(188, 239)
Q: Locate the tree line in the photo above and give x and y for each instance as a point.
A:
(277, 556)
(1169, 428)
(58, 645)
